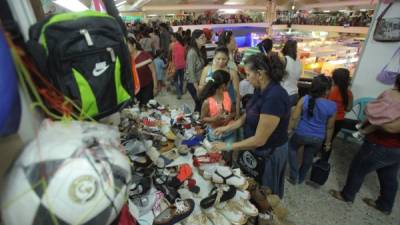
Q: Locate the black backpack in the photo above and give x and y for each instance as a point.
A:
(85, 56)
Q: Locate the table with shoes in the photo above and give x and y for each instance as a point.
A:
(177, 179)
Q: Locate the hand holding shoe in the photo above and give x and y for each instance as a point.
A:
(220, 130)
(218, 146)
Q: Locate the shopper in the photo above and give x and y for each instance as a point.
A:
(220, 62)
(146, 41)
(195, 62)
(165, 39)
(343, 97)
(384, 109)
(265, 122)
(155, 40)
(380, 152)
(265, 47)
(226, 39)
(177, 51)
(146, 71)
(217, 109)
(160, 69)
(293, 71)
(312, 122)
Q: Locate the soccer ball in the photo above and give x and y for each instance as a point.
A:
(72, 173)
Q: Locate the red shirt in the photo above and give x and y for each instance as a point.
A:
(385, 139)
(335, 96)
(142, 62)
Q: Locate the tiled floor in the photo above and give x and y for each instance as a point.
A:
(310, 206)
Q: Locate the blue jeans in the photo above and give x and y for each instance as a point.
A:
(274, 169)
(293, 99)
(178, 80)
(374, 157)
(311, 146)
(192, 90)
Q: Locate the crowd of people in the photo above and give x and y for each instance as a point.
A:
(360, 19)
(354, 19)
(238, 107)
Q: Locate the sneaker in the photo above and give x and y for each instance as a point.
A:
(175, 213)
(232, 214)
(242, 203)
(215, 217)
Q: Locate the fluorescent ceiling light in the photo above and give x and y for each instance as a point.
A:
(121, 3)
(233, 3)
(171, 14)
(72, 5)
(152, 15)
(326, 11)
(228, 11)
(363, 10)
(139, 3)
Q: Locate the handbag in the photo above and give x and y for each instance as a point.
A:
(387, 29)
(390, 71)
(320, 172)
(171, 70)
(251, 164)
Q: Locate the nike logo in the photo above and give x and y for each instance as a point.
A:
(100, 68)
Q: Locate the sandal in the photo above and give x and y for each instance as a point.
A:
(338, 195)
(372, 203)
(140, 188)
(224, 175)
(211, 157)
(218, 195)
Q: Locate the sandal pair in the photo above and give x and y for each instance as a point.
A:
(226, 175)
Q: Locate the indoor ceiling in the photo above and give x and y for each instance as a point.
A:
(171, 5)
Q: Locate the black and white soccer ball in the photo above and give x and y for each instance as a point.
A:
(70, 174)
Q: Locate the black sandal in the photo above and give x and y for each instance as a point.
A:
(338, 196)
(212, 197)
(141, 188)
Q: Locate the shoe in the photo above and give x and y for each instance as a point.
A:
(145, 203)
(259, 197)
(235, 216)
(241, 202)
(197, 217)
(226, 175)
(140, 188)
(265, 219)
(207, 144)
(166, 131)
(218, 195)
(175, 213)
(215, 217)
(183, 150)
(372, 203)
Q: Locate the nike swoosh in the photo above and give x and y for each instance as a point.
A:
(97, 72)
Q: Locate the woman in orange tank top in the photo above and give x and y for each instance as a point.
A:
(217, 107)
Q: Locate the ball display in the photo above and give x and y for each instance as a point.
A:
(72, 173)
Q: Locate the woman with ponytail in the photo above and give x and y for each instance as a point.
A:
(265, 123)
(343, 97)
(217, 107)
(312, 122)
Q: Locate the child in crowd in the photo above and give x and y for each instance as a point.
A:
(385, 109)
(160, 69)
(313, 122)
(217, 108)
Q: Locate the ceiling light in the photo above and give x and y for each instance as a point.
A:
(121, 3)
(72, 5)
(363, 10)
(233, 3)
(152, 15)
(171, 14)
(139, 3)
(293, 7)
(228, 11)
(326, 11)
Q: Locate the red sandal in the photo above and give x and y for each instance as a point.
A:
(211, 157)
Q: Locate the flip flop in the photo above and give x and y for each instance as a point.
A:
(372, 203)
(338, 196)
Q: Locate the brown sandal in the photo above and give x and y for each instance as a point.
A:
(338, 195)
(371, 203)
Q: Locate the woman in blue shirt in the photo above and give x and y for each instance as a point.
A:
(265, 122)
(317, 120)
